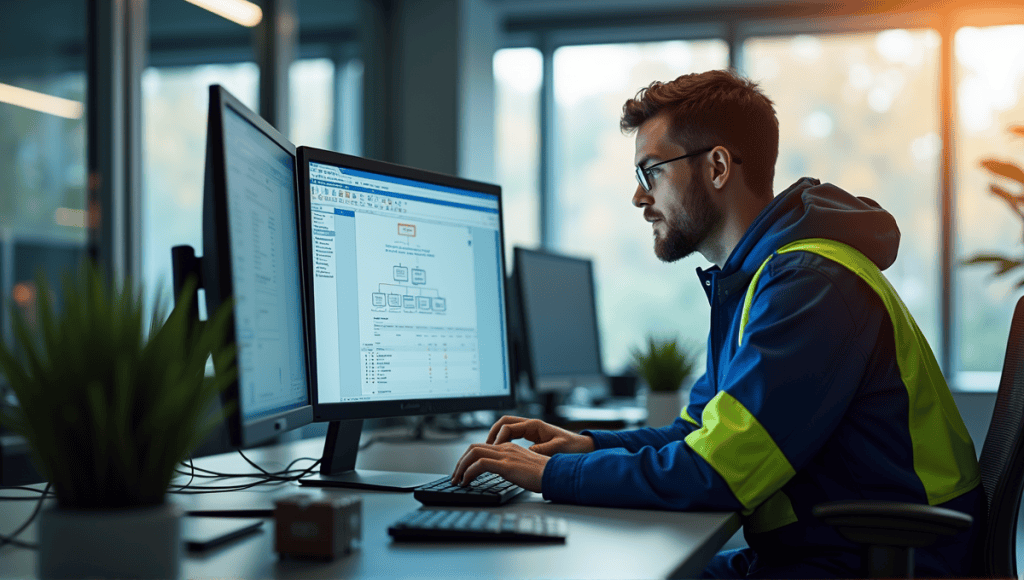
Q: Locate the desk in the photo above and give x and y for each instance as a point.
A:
(602, 542)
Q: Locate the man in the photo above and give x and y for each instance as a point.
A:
(819, 386)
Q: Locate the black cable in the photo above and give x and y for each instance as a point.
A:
(192, 476)
(198, 490)
(22, 497)
(265, 477)
(218, 474)
(23, 487)
(4, 540)
(277, 474)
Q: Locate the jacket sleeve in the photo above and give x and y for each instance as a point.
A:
(780, 399)
(635, 439)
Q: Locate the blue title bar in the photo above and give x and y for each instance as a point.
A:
(325, 183)
(407, 182)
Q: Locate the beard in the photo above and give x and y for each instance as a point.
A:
(686, 231)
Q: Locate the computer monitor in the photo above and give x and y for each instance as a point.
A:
(560, 346)
(408, 298)
(251, 256)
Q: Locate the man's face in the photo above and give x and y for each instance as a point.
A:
(679, 205)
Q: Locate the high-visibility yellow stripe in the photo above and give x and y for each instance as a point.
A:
(775, 512)
(686, 417)
(737, 446)
(745, 314)
(944, 457)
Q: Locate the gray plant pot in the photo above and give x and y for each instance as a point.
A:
(127, 543)
(663, 407)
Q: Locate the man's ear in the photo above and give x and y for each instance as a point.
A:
(721, 166)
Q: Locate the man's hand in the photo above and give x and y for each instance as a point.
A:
(547, 438)
(513, 462)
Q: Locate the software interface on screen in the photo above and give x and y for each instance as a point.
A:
(558, 306)
(265, 271)
(407, 286)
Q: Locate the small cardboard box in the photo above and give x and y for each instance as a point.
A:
(321, 528)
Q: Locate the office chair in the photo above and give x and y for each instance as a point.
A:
(892, 530)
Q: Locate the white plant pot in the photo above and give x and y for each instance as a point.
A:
(664, 407)
(125, 543)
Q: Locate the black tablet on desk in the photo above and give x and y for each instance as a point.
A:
(203, 533)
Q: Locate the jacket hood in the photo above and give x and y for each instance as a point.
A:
(811, 209)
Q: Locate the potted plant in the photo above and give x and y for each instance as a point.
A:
(666, 367)
(109, 405)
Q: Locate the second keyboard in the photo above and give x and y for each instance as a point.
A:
(488, 489)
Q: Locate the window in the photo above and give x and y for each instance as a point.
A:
(517, 75)
(42, 151)
(311, 102)
(868, 124)
(594, 184)
(989, 80)
(175, 104)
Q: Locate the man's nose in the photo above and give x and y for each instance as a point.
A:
(641, 198)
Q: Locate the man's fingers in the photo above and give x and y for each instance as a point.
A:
(475, 452)
(507, 419)
(463, 462)
(513, 431)
(483, 465)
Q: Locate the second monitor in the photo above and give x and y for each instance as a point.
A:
(560, 346)
(408, 300)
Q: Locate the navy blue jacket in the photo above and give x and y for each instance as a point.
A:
(810, 407)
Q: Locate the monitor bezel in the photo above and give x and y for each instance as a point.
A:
(552, 383)
(217, 272)
(340, 411)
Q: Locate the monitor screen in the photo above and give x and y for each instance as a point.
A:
(251, 255)
(265, 271)
(558, 319)
(408, 290)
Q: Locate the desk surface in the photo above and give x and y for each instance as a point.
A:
(602, 542)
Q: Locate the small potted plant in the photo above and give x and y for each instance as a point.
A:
(109, 403)
(666, 367)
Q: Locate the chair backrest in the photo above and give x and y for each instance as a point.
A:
(1002, 459)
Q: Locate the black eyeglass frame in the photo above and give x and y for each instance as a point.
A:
(641, 172)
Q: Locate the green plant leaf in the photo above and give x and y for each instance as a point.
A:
(109, 406)
(664, 365)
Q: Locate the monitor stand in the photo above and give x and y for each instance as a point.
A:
(338, 464)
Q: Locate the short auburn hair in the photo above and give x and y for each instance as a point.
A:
(717, 107)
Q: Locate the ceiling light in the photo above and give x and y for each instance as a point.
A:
(39, 102)
(238, 11)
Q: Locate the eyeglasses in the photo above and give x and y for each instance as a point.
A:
(643, 173)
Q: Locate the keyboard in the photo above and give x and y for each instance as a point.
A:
(428, 524)
(488, 489)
